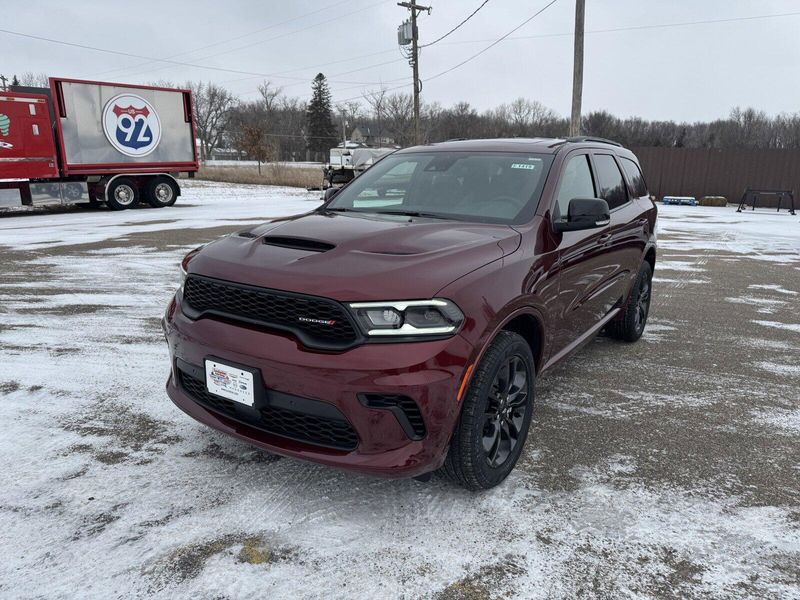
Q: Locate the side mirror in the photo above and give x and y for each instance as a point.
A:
(330, 193)
(585, 213)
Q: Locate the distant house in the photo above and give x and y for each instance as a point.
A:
(367, 135)
(223, 153)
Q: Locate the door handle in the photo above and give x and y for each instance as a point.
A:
(604, 239)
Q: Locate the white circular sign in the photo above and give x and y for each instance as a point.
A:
(131, 125)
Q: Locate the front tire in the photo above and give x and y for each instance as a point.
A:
(122, 194)
(494, 422)
(629, 327)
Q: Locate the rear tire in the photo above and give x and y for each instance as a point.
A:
(161, 192)
(496, 415)
(629, 327)
(122, 193)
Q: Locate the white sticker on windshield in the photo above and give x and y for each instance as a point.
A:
(523, 166)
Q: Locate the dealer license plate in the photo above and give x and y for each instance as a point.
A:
(230, 382)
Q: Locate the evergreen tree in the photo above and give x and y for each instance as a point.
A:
(320, 129)
(14, 80)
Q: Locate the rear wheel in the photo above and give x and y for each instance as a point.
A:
(630, 326)
(496, 415)
(121, 194)
(161, 192)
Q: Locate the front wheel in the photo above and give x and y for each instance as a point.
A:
(121, 194)
(629, 327)
(496, 415)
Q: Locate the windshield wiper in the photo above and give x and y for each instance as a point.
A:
(412, 213)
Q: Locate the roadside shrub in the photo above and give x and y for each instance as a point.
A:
(713, 201)
(270, 175)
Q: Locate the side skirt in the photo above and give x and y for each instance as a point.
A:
(581, 341)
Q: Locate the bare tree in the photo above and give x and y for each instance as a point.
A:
(270, 95)
(376, 100)
(399, 117)
(31, 79)
(212, 104)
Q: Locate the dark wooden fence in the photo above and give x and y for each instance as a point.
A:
(705, 172)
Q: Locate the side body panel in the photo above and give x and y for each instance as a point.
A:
(27, 148)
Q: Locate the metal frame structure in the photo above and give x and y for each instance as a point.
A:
(754, 196)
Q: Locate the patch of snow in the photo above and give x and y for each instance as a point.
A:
(681, 281)
(678, 265)
(201, 206)
(787, 420)
(767, 236)
(777, 325)
(780, 369)
(773, 287)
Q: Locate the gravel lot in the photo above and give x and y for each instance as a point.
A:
(669, 468)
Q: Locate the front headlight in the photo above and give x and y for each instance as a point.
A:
(408, 317)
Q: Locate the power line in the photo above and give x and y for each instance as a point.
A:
(173, 62)
(256, 43)
(494, 43)
(474, 56)
(221, 42)
(474, 12)
(636, 28)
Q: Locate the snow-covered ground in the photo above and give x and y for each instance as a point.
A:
(667, 468)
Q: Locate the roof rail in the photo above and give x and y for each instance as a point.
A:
(591, 138)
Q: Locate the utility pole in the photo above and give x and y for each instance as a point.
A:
(577, 70)
(414, 8)
(3, 78)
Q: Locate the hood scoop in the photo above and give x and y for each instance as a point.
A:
(296, 243)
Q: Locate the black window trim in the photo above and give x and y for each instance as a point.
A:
(594, 153)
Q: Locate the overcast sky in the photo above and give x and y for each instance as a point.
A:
(688, 72)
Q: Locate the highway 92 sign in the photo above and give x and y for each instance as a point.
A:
(131, 125)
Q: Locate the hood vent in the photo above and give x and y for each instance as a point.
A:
(298, 243)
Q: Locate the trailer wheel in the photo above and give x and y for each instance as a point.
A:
(121, 194)
(161, 192)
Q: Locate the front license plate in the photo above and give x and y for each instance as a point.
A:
(230, 382)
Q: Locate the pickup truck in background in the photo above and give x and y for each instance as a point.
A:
(93, 142)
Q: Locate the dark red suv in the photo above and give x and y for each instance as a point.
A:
(398, 328)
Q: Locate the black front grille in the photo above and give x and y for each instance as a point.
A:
(404, 408)
(316, 429)
(317, 322)
(197, 390)
(321, 431)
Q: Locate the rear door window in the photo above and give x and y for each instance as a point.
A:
(635, 177)
(612, 185)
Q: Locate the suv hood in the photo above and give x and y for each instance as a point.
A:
(349, 257)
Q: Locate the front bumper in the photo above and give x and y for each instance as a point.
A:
(429, 373)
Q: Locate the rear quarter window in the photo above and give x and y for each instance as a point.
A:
(635, 177)
(612, 185)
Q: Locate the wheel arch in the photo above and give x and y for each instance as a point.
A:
(528, 326)
(650, 256)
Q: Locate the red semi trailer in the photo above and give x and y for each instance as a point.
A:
(89, 141)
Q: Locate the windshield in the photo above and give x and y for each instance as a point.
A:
(485, 187)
